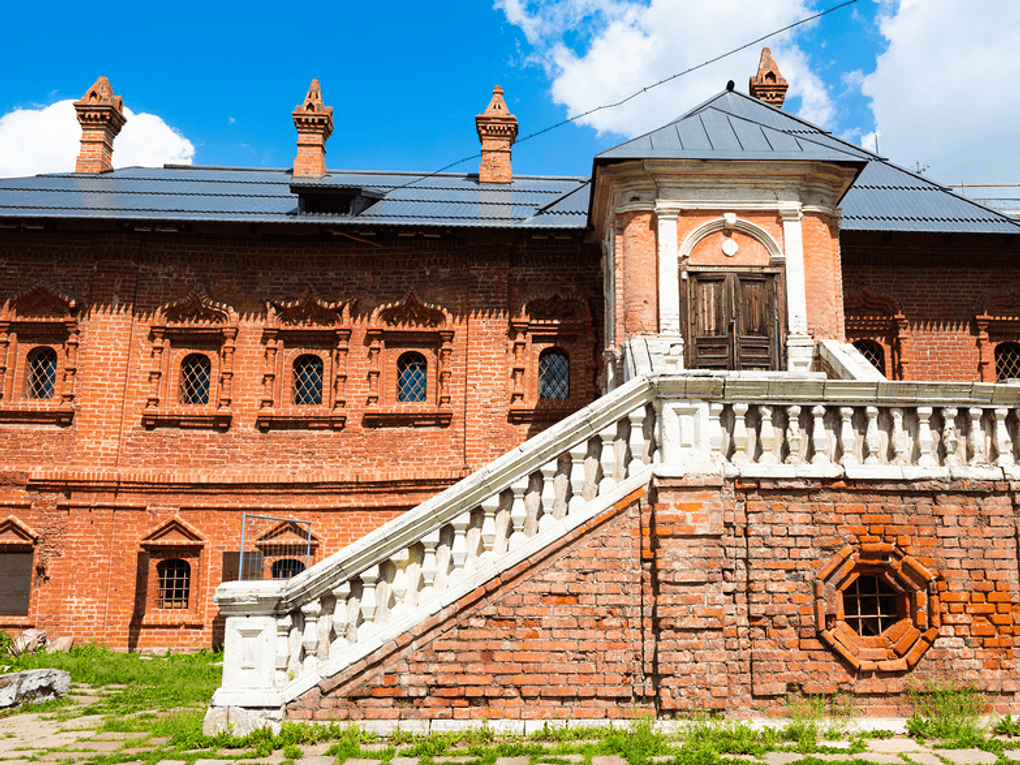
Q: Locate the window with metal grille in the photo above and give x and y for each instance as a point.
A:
(15, 583)
(285, 568)
(41, 380)
(1007, 361)
(174, 585)
(871, 605)
(196, 372)
(412, 377)
(553, 374)
(307, 388)
(873, 352)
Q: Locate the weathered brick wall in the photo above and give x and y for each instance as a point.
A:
(93, 489)
(939, 283)
(703, 596)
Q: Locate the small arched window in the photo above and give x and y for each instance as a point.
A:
(553, 374)
(41, 378)
(873, 352)
(174, 585)
(412, 377)
(1007, 361)
(196, 372)
(285, 568)
(307, 388)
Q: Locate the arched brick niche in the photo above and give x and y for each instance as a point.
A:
(875, 319)
(998, 323)
(877, 607)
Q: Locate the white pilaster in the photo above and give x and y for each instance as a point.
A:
(799, 346)
(669, 270)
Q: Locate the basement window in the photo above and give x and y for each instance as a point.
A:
(174, 581)
(872, 606)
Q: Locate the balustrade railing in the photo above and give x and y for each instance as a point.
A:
(284, 638)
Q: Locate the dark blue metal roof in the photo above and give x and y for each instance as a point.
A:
(884, 197)
(185, 193)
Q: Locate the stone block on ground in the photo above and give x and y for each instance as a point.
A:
(34, 685)
(968, 756)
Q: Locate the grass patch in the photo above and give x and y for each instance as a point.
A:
(947, 713)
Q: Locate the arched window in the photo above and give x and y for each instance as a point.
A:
(174, 585)
(412, 377)
(873, 352)
(1007, 361)
(41, 379)
(285, 568)
(307, 387)
(196, 371)
(553, 374)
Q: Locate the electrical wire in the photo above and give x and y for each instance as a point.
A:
(637, 93)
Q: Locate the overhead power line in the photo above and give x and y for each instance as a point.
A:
(645, 89)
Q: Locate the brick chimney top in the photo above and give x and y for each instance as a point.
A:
(769, 85)
(314, 123)
(101, 115)
(497, 130)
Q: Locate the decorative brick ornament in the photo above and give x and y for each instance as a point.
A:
(101, 115)
(314, 123)
(877, 607)
(497, 130)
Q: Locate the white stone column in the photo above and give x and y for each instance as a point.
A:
(799, 345)
(669, 270)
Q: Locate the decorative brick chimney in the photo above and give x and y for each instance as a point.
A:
(769, 85)
(497, 130)
(314, 123)
(101, 115)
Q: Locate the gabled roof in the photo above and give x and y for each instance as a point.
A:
(187, 193)
(884, 197)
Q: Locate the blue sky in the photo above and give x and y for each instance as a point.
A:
(405, 79)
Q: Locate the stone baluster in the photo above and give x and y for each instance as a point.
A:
(950, 436)
(898, 436)
(872, 443)
(819, 438)
(639, 456)
(310, 638)
(743, 449)
(847, 437)
(489, 507)
(578, 453)
(976, 437)
(399, 587)
(794, 435)
(369, 580)
(283, 626)
(1003, 445)
(429, 564)
(925, 440)
(561, 485)
(716, 439)
(459, 549)
(548, 495)
(518, 512)
(294, 645)
(767, 436)
(342, 628)
(608, 459)
(325, 627)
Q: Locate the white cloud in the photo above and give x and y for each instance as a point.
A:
(47, 140)
(599, 51)
(943, 93)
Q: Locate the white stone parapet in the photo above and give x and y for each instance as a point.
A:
(284, 638)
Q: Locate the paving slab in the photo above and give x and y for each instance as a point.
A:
(608, 759)
(895, 745)
(318, 760)
(968, 756)
(524, 760)
(1012, 754)
(782, 758)
(925, 758)
(96, 746)
(414, 760)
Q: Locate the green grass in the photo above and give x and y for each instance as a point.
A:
(947, 713)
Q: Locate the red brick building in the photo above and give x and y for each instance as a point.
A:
(796, 470)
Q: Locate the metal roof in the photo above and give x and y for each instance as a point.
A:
(884, 197)
(729, 126)
(187, 193)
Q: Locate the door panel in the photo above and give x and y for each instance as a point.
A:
(733, 320)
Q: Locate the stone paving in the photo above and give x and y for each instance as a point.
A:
(38, 738)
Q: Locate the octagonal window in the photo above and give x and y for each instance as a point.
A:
(871, 605)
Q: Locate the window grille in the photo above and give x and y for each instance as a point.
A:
(285, 568)
(412, 377)
(307, 388)
(553, 374)
(196, 372)
(41, 381)
(174, 583)
(1007, 361)
(873, 352)
(871, 605)
(15, 583)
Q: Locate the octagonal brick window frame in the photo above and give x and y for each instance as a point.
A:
(899, 646)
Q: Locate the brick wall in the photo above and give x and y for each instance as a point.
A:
(93, 489)
(705, 595)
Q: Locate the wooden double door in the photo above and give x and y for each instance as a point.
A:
(733, 319)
